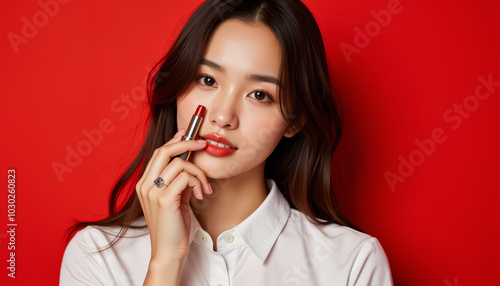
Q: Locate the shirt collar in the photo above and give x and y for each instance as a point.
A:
(262, 228)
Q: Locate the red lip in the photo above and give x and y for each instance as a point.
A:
(219, 139)
(217, 150)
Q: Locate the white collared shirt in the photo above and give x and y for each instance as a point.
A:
(275, 245)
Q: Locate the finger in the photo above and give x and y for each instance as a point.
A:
(180, 147)
(143, 192)
(176, 166)
(177, 137)
(179, 184)
(166, 152)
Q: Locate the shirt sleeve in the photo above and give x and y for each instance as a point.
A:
(82, 267)
(371, 266)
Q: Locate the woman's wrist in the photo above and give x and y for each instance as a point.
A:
(165, 272)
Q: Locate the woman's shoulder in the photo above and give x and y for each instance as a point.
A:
(94, 237)
(87, 260)
(343, 238)
(333, 245)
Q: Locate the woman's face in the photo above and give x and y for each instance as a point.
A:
(237, 83)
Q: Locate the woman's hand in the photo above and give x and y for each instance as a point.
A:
(166, 209)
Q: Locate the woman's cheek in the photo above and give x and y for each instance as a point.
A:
(186, 107)
(272, 128)
(263, 137)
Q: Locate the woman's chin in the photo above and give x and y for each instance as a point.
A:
(214, 167)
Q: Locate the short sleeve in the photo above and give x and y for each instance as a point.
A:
(371, 266)
(80, 266)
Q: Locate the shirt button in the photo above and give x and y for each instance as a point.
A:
(203, 238)
(218, 284)
(229, 238)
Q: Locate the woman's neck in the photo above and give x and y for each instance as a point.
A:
(233, 200)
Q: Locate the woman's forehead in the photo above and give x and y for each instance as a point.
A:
(240, 47)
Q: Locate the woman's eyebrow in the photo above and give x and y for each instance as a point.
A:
(252, 77)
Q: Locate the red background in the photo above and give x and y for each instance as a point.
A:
(437, 227)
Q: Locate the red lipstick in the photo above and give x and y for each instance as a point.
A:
(193, 128)
(200, 111)
(218, 146)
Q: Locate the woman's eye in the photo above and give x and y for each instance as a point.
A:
(258, 95)
(207, 80)
(261, 96)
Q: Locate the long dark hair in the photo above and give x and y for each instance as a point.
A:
(300, 165)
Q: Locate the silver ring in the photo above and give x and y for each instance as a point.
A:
(159, 182)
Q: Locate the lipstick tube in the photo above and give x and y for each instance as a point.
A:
(193, 128)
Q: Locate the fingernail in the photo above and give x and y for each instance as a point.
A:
(200, 192)
(211, 190)
(179, 133)
(201, 141)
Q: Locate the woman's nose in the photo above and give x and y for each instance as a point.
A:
(223, 110)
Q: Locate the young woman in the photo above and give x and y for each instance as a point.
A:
(253, 204)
